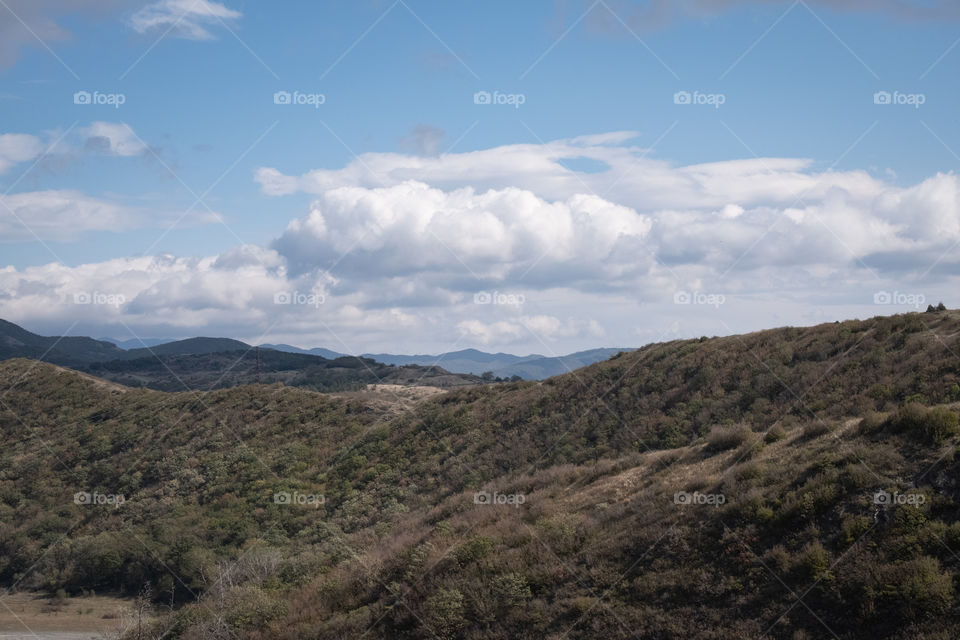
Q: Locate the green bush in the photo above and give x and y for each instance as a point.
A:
(775, 434)
(723, 438)
(939, 425)
(444, 613)
(935, 426)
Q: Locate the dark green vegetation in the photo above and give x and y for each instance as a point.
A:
(215, 363)
(17, 342)
(833, 448)
(224, 369)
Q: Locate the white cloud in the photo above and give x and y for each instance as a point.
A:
(16, 148)
(188, 19)
(413, 230)
(66, 214)
(397, 260)
(738, 214)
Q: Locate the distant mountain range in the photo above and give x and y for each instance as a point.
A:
(167, 364)
(212, 363)
(467, 361)
(472, 361)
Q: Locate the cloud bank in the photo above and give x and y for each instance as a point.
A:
(449, 249)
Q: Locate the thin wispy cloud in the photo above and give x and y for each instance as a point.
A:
(188, 19)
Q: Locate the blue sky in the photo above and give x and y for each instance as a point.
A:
(797, 83)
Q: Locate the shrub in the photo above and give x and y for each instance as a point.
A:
(511, 589)
(775, 434)
(935, 426)
(872, 421)
(723, 438)
(815, 430)
(917, 587)
(444, 612)
(939, 425)
(816, 561)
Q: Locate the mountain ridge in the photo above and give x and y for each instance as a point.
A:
(506, 511)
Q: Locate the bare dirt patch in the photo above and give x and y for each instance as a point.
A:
(30, 615)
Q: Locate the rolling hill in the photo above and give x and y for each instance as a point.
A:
(790, 483)
(17, 342)
(215, 363)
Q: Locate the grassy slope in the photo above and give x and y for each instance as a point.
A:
(599, 547)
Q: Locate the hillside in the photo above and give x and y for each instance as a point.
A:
(224, 369)
(216, 363)
(475, 362)
(502, 365)
(16, 342)
(710, 488)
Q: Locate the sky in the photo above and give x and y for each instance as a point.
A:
(421, 177)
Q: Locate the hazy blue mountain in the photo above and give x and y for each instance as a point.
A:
(503, 365)
(317, 351)
(543, 367)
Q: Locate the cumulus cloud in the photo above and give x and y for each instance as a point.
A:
(572, 256)
(540, 328)
(16, 148)
(188, 19)
(415, 230)
(738, 214)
